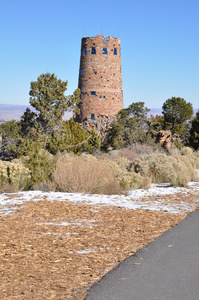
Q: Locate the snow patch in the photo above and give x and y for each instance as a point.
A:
(149, 199)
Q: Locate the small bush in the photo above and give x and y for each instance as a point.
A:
(135, 151)
(187, 151)
(141, 149)
(7, 188)
(46, 186)
(130, 181)
(177, 170)
(83, 174)
(129, 154)
(127, 178)
(125, 152)
(174, 151)
(41, 165)
(123, 163)
(14, 174)
(112, 188)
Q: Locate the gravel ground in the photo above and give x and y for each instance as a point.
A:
(56, 248)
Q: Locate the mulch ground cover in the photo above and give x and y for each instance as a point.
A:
(57, 250)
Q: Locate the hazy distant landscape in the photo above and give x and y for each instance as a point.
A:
(14, 112)
(10, 112)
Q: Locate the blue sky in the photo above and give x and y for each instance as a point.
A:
(159, 40)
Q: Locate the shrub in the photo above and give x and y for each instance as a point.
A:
(45, 186)
(94, 142)
(141, 149)
(41, 165)
(127, 178)
(7, 188)
(187, 151)
(123, 163)
(83, 174)
(135, 151)
(177, 170)
(196, 156)
(14, 174)
(131, 181)
(70, 137)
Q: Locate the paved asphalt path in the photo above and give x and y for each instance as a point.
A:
(167, 269)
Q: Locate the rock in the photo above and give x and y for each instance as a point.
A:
(164, 138)
(101, 123)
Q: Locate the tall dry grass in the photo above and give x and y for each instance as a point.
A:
(84, 174)
(89, 174)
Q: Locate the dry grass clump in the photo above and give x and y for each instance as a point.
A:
(45, 186)
(84, 174)
(13, 175)
(187, 151)
(123, 153)
(127, 178)
(88, 174)
(177, 169)
(141, 149)
(134, 151)
(7, 188)
(109, 175)
(196, 156)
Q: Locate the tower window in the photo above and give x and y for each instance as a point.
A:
(81, 72)
(105, 51)
(104, 96)
(85, 51)
(115, 51)
(100, 97)
(93, 50)
(93, 93)
(95, 72)
(92, 116)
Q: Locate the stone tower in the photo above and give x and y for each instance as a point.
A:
(100, 77)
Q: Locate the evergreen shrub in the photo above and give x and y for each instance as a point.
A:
(41, 165)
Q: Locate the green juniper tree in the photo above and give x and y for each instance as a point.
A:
(177, 112)
(155, 123)
(28, 122)
(194, 132)
(129, 127)
(10, 133)
(47, 96)
(69, 138)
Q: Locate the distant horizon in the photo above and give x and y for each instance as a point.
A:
(29, 105)
(9, 112)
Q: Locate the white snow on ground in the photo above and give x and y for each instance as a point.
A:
(150, 199)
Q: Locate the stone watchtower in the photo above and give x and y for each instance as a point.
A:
(100, 78)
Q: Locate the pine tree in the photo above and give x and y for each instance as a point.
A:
(47, 96)
(177, 112)
(194, 132)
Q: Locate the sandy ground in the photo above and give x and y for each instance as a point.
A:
(58, 249)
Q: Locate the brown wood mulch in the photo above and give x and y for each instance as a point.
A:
(41, 259)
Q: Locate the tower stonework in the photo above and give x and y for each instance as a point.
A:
(100, 78)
